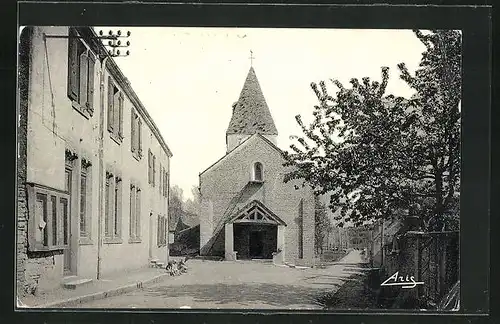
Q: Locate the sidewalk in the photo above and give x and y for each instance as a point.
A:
(110, 285)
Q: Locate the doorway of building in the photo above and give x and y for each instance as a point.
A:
(256, 244)
(68, 179)
(255, 241)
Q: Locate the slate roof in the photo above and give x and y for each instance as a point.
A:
(250, 113)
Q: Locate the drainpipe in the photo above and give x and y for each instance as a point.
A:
(101, 167)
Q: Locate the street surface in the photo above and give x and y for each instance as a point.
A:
(241, 284)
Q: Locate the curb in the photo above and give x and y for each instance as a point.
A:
(102, 294)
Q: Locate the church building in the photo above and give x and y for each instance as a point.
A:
(247, 211)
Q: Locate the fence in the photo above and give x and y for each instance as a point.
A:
(431, 257)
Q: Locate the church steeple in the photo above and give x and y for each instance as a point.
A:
(251, 114)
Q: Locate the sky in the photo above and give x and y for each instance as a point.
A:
(188, 79)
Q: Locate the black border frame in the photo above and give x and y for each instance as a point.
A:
(474, 21)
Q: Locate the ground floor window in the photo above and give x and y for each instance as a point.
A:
(48, 212)
(113, 206)
(135, 214)
(162, 231)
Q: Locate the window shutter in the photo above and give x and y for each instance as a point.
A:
(90, 87)
(116, 112)
(165, 184)
(72, 65)
(154, 170)
(120, 113)
(119, 195)
(83, 79)
(160, 178)
(110, 104)
(158, 233)
(138, 214)
(149, 167)
(132, 212)
(133, 138)
(139, 135)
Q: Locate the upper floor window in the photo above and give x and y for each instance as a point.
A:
(115, 111)
(258, 172)
(81, 64)
(136, 135)
(151, 168)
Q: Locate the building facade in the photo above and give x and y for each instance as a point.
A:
(93, 168)
(247, 211)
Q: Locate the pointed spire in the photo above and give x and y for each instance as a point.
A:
(250, 113)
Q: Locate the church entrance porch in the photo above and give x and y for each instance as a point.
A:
(254, 232)
(254, 241)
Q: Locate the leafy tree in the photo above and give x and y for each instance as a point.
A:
(438, 85)
(175, 206)
(192, 205)
(375, 153)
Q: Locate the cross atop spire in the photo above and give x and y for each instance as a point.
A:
(251, 58)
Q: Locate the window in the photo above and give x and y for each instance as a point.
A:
(48, 212)
(154, 170)
(135, 135)
(150, 160)
(151, 168)
(81, 66)
(115, 111)
(135, 214)
(113, 212)
(85, 199)
(257, 172)
(165, 183)
(160, 178)
(162, 231)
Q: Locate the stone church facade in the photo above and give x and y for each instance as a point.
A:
(247, 211)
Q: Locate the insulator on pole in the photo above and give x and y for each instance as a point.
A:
(128, 43)
(128, 52)
(128, 33)
(109, 43)
(119, 32)
(110, 33)
(119, 43)
(118, 52)
(101, 32)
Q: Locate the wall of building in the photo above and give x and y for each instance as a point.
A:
(119, 159)
(222, 184)
(53, 126)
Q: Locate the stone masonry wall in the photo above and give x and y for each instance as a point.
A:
(222, 184)
(30, 267)
(22, 205)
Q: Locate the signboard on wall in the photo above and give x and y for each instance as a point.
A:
(171, 237)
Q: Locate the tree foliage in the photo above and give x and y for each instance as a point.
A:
(375, 153)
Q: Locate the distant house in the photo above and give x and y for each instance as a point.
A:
(247, 211)
(185, 235)
(93, 168)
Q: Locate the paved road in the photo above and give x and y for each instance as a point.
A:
(246, 285)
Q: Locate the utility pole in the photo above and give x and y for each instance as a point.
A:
(103, 56)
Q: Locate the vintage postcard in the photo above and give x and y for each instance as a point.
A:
(239, 168)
